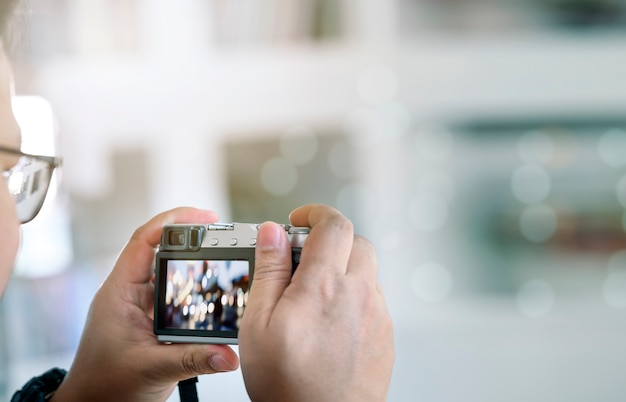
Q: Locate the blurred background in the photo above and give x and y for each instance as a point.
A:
(480, 144)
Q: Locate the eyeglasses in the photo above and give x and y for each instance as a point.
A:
(28, 181)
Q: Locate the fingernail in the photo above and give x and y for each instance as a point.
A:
(220, 364)
(269, 236)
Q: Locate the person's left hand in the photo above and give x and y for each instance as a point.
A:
(119, 357)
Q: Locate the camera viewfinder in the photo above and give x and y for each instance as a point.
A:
(177, 237)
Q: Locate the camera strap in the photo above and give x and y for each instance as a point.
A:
(187, 390)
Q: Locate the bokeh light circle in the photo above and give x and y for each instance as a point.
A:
(538, 223)
(535, 147)
(279, 176)
(620, 191)
(433, 142)
(299, 144)
(377, 85)
(340, 161)
(397, 118)
(391, 241)
(428, 211)
(614, 289)
(357, 196)
(535, 298)
(431, 282)
(530, 184)
(617, 262)
(438, 182)
(612, 147)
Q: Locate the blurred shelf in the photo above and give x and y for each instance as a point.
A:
(439, 77)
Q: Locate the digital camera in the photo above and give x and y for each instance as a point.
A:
(203, 278)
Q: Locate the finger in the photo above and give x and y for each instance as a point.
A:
(328, 246)
(363, 262)
(181, 361)
(272, 272)
(134, 264)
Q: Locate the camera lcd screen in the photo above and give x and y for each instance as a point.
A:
(206, 295)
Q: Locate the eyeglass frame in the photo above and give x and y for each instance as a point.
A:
(52, 161)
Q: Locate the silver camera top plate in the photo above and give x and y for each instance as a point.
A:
(223, 235)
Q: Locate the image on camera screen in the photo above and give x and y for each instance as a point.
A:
(206, 294)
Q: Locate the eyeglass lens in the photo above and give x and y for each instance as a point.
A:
(28, 182)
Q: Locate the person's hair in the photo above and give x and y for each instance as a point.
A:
(7, 14)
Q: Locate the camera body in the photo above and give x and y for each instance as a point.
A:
(203, 278)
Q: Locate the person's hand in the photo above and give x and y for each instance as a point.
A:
(324, 334)
(119, 357)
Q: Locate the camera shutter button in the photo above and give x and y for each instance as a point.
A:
(233, 242)
(214, 241)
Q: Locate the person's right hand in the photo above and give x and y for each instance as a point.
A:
(324, 334)
(119, 357)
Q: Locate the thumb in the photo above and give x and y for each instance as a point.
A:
(181, 361)
(272, 271)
